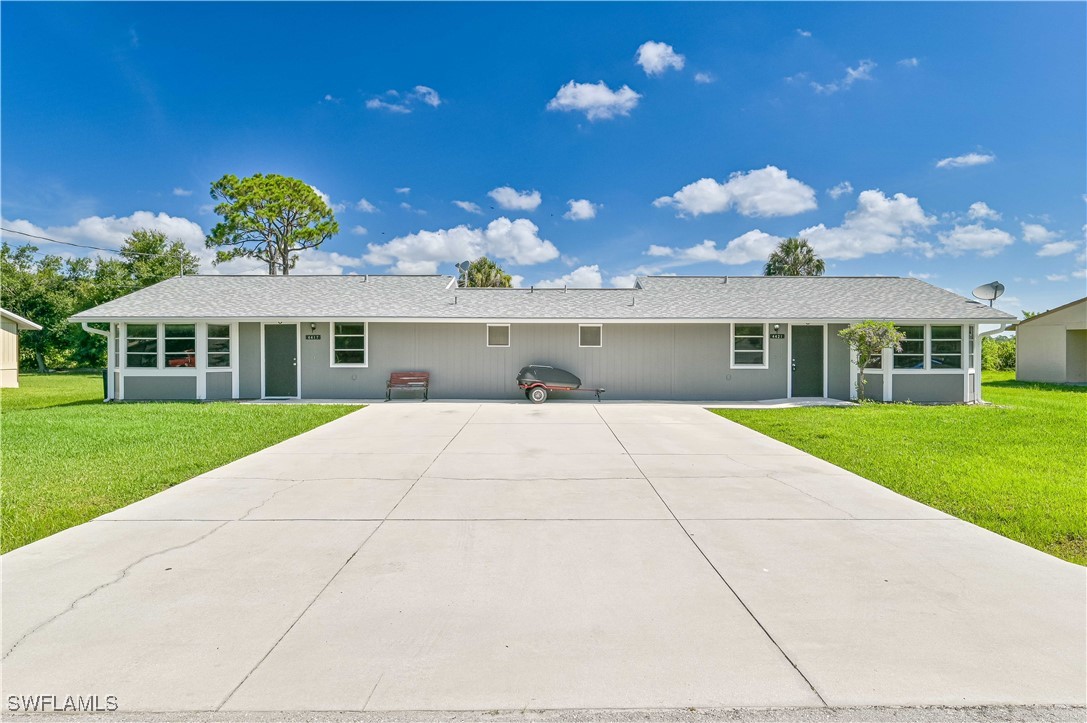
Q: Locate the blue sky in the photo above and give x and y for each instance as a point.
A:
(596, 142)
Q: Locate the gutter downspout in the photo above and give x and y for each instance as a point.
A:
(107, 391)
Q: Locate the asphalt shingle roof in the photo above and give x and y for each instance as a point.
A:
(435, 297)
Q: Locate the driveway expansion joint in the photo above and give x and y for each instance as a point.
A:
(715, 569)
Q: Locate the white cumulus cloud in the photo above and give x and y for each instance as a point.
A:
(909, 62)
(974, 237)
(468, 206)
(966, 160)
(178, 191)
(511, 199)
(877, 225)
(863, 71)
(981, 211)
(1058, 248)
(655, 58)
(359, 230)
(583, 277)
(516, 242)
(703, 78)
(842, 189)
(764, 192)
(365, 206)
(751, 246)
(1036, 233)
(596, 100)
(580, 210)
(803, 33)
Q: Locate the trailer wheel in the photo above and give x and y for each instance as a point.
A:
(538, 395)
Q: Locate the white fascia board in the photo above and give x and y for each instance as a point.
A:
(516, 320)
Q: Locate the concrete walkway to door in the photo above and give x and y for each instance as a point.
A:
(480, 557)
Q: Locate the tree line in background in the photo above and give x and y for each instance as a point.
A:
(48, 288)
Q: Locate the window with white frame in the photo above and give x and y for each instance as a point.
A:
(349, 344)
(116, 346)
(971, 334)
(498, 335)
(912, 355)
(218, 345)
(142, 345)
(179, 345)
(590, 335)
(875, 361)
(946, 347)
(749, 345)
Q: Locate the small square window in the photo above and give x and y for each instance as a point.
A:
(349, 344)
(749, 345)
(590, 335)
(498, 335)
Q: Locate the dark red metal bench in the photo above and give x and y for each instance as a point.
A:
(417, 381)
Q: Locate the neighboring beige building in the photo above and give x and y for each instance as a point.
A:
(1052, 347)
(10, 326)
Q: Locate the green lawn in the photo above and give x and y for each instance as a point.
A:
(67, 458)
(1017, 467)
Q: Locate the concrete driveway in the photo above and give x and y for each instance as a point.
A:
(462, 556)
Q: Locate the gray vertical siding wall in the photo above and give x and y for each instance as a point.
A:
(636, 361)
(873, 389)
(160, 388)
(838, 383)
(219, 385)
(927, 387)
(248, 360)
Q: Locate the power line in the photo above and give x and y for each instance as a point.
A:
(84, 246)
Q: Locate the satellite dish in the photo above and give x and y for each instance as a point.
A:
(989, 292)
(464, 265)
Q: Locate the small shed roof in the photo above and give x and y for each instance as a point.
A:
(21, 322)
(437, 298)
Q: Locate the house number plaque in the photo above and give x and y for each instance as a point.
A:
(313, 337)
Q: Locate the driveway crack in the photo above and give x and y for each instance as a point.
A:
(110, 583)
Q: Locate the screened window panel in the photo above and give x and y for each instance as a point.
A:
(498, 336)
(142, 345)
(349, 356)
(590, 336)
(749, 358)
(350, 329)
(218, 360)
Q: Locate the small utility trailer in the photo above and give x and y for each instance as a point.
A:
(538, 380)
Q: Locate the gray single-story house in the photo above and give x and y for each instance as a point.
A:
(1052, 346)
(671, 338)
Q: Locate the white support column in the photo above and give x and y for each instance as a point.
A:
(201, 360)
(235, 367)
(888, 359)
(123, 361)
(111, 373)
(977, 363)
(854, 370)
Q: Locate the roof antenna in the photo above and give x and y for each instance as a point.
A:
(564, 288)
(724, 280)
(632, 301)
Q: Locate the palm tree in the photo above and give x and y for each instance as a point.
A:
(794, 257)
(485, 273)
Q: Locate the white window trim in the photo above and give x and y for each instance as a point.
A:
(158, 345)
(332, 345)
(590, 346)
(162, 346)
(927, 368)
(233, 332)
(509, 337)
(765, 348)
